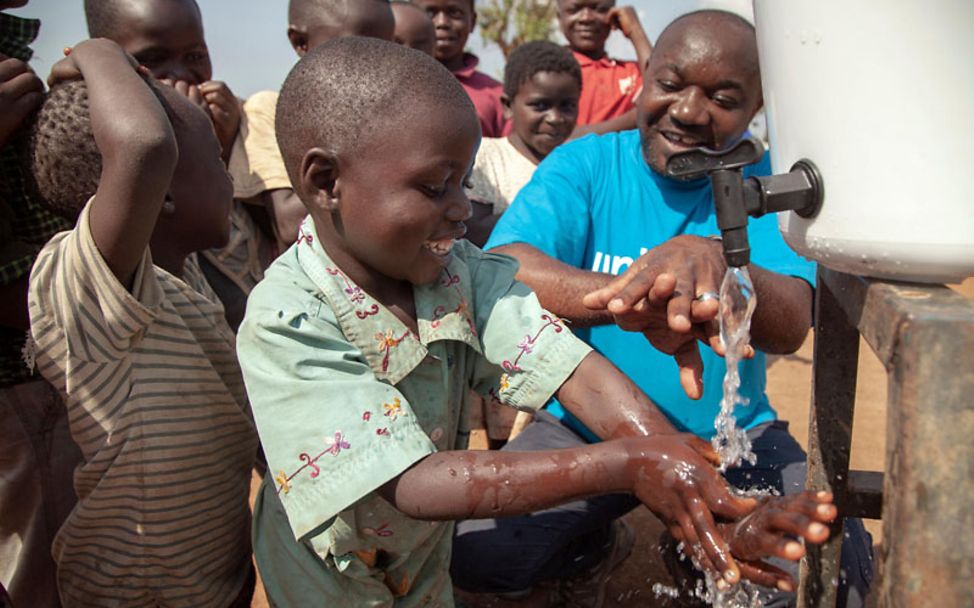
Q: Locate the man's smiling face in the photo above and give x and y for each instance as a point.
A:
(702, 87)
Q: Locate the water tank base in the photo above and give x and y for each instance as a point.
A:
(927, 263)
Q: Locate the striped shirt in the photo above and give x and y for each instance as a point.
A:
(157, 405)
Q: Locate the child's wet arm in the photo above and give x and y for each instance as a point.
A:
(480, 484)
(609, 403)
(138, 151)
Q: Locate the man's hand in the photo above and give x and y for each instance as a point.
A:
(674, 477)
(224, 111)
(21, 92)
(660, 296)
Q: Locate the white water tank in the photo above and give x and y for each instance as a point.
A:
(879, 94)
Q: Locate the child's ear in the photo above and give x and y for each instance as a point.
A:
(319, 179)
(299, 40)
(506, 104)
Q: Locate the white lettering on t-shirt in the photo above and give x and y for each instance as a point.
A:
(613, 264)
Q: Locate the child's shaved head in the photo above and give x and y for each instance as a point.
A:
(344, 92)
(314, 22)
(105, 17)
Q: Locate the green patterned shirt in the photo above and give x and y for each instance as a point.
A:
(346, 398)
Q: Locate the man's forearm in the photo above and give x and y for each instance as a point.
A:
(784, 312)
(559, 287)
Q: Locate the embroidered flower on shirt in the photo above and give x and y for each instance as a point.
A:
(283, 482)
(388, 341)
(462, 309)
(335, 446)
(393, 410)
(304, 236)
(526, 346)
(353, 292)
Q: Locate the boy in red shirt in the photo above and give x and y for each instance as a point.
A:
(609, 86)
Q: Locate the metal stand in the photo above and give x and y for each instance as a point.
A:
(924, 336)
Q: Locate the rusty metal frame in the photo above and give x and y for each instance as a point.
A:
(924, 336)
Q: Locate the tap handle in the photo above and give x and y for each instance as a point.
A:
(702, 161)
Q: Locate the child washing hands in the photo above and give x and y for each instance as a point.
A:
(360, 346)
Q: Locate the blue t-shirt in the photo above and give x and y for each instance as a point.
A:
(594, 203)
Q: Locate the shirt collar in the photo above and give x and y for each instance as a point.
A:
(16, 33)
(585, 60)
(443, 311)
(470, 63)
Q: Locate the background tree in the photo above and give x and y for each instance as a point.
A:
(510, 23)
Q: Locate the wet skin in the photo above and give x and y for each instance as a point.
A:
(413, 28)
(543, 113)
(453, 20)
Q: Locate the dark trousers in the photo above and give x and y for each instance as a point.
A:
(516, 553)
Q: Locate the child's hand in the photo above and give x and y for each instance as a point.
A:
(624, 19)
(676, 479)
(772, 530)
(69, 68)
(224, 111)
(21, 92)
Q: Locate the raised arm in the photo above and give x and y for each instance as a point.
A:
(626, 20)
(137, 146)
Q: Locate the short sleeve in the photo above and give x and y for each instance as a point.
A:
(551, 213)
(255, 160)
(528, 352)
(74, 296)
(331, 431)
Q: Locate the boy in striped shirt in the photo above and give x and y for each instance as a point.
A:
(126, 328)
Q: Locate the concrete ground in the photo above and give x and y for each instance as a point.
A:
(789, 388)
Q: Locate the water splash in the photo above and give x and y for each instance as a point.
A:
(737, 303)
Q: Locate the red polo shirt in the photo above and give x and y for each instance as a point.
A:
(609, 88)
(485, 92)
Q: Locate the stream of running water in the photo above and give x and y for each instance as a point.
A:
(737, 303)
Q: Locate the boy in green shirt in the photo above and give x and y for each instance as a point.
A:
(360, 346)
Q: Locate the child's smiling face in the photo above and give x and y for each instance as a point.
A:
(543, 112)
(399, 198)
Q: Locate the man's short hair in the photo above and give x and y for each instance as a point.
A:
(347, 89)
(61, 160)
(539, 56)
(727, 17)
(103, 16)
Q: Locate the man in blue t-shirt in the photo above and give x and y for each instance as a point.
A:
(618, 249)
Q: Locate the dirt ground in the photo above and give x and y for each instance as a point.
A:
(789, 389)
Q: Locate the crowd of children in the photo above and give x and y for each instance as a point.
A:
(369, 327)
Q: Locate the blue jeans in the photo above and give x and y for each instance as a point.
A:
(516, 553)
